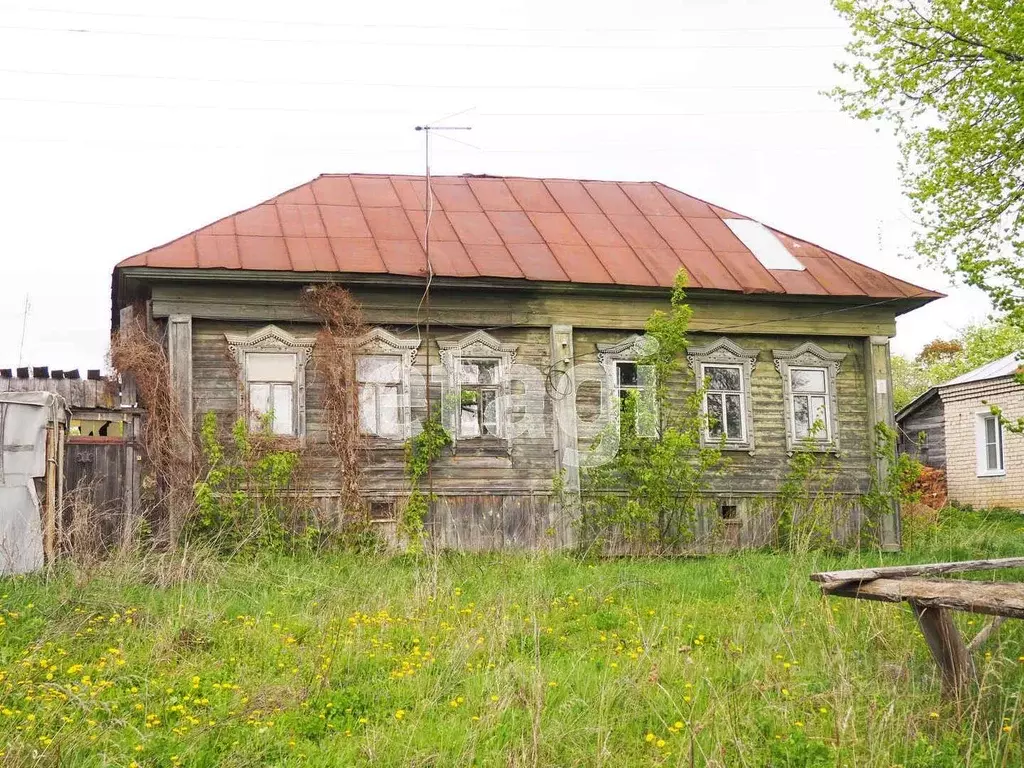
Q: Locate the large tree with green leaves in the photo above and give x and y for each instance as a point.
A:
(942, 360)
(949, 76)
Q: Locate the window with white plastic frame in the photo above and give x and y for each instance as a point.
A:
(379, 378)
(990, 445)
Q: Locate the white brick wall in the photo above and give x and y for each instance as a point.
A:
(962, 405)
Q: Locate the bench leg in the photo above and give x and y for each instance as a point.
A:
(947, 647)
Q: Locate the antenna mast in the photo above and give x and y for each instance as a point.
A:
(24, 326)
(428, 210)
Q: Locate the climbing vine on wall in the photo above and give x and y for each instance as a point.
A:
(335, 362)
(421, 451)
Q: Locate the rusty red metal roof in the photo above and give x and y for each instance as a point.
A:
(550, 230)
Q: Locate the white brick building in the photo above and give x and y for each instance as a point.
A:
(984, 461)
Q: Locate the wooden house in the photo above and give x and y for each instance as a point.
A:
(539, 293)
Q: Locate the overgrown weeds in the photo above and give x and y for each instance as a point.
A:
(246, 501)
(336, 659)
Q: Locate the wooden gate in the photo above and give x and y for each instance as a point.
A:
(101, 481)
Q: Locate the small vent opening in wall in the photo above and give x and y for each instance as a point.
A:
(728, 511)
(382, 511)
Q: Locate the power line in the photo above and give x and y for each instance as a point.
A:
(427, 44)
(346, 111)
(350, 25)
(331, 146)
(416, 86)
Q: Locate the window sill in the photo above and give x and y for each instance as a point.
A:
(733, 447)
(993, 473)
(373, 443)
(804, 447)
(481, 446)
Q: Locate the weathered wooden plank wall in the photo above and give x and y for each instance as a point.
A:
(922, 434)
(486, 487)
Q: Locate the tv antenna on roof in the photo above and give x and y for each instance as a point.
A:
(428, 210)
(24, 326)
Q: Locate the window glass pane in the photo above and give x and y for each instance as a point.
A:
(992, 456)
(990, 429)
(378, 368)
(716, 418)
(627, 374)
(801, 417)
(469, 425)
(721, 378)
(478, 371)
(269, 366)
(390, 421)
(367, 409)
(819, 417)
(282, 405)
(259, 405)
(733, 418)
(807, 380)
(490, 411)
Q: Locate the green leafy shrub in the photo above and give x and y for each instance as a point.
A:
(243, 502)
(650, 491)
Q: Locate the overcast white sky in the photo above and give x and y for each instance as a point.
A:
(126, 124)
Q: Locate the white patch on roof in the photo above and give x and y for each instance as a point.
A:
(763, 243)
(1004, 366)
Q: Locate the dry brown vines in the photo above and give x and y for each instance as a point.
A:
(342, 321)
(167, 442)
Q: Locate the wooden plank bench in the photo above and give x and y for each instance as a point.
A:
(933, 599)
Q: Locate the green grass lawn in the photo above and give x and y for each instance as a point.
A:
(337, 659)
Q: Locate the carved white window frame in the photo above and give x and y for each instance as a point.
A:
(723, 352)
(629, 349)
(381, 342)
(477, 345)
(810, 355)
(273, 340)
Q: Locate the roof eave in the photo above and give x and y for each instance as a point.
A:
(900, 304)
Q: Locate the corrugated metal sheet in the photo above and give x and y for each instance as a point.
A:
(562, 230)
(24, 418)
(997, 369)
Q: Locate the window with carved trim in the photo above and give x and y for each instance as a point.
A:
(809, 375)
(383, 374)
(475, 390)
(272, 379)
(630, 387)
(724, 370)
